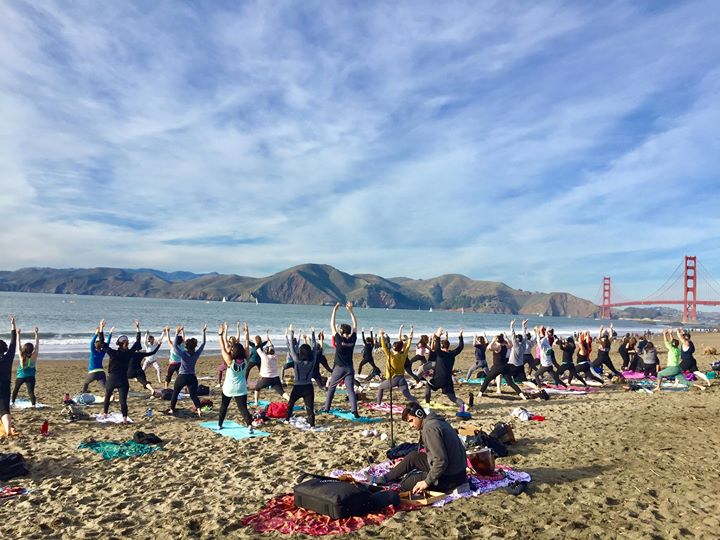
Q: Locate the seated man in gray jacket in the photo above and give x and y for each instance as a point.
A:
(442, 467)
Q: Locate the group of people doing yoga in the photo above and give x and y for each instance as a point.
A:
(523, 359)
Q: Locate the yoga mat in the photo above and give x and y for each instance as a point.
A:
(233, 430)
(25, 404)
(348, 415)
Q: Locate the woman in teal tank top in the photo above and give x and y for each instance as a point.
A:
(25, 373)
(235, 386)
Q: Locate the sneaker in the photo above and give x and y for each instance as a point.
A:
(251, 430)
(355, 414)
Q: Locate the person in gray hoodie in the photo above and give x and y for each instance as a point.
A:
(442, 467)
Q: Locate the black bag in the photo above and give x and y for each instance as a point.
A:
(12, 465)
(141, 437)
(166, 393)
(332, 497)
(401, 450)
(503, 432)
(203, 390)
(483, 440)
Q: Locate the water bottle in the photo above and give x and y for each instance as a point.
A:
(149, 413)
(45, 428)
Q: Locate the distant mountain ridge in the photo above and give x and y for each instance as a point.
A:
(303, 284)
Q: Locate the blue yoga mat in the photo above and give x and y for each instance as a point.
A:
(233, 430)
(348, 415)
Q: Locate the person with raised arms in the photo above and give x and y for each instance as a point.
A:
(673, 369)
(304, 361)
(7, 355)
(480, 344)
(584, 364)
(444, 362)
(547, 364)
(235, 386)
(500, 367)
(344, 339)
(151, 360)
(135, 370)
(603, 353)
(175, 357)
(186, 376)
(395, 364)
(118, 365)
(269, 372)
(367, 356)
(26, 369)
(96, 372)
(687, 356)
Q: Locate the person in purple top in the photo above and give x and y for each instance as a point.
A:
(186, 377)
(343, 370)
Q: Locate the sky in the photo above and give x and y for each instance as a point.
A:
(542, 144)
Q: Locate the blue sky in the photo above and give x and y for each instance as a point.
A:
(543, 144)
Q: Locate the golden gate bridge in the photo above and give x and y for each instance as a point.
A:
(682, 283)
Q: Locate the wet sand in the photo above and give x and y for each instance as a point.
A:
(615, 464)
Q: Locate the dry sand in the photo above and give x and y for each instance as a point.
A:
(614, 464)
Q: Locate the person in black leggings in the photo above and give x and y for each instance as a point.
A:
(186, 377)
(367, 356)
(26, 368)
(547, 358)
(444, 363)
(304, 364)
(117, 371)
(500, 366)
(422, 350)
(567, 346)
(584, 364)
(135, 370)
(603, 355)
(480, 344)
(235, 386)
(7, 355)
(321, 361)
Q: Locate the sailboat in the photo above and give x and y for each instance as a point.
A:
(224, 299)
(462, 310)
(430, 310)
(256, 302)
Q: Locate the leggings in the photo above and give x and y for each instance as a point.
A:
(585, 368)
(93, 376)
(415, 467)
(269, 382)
(342, 373)
(222, 368)
(307, 393)
(572, 372)
(409, 364)
(480, 365)
(673, 371)
(173, 367)
(548, 369)
(396, 381)
(30, 383)
(367, 360)
(447, 389)
(241, 402)
(497, 370)
(605, 361)
(152, 361)
(140, 377)
(529, 360)
(182, 380)
(121, 384)
(650, 370)
(518, 373)
(4, 397)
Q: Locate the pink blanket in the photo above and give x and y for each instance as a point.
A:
(384, 407)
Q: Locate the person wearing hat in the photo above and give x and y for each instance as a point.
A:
(442, 467)
(117, 378)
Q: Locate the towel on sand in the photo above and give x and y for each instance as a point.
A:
(383, 407)
(280, 514)
(123, 450)
(112, 418)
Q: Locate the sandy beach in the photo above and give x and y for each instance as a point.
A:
(613, 464)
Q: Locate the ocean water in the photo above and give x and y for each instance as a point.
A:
(67, 322)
